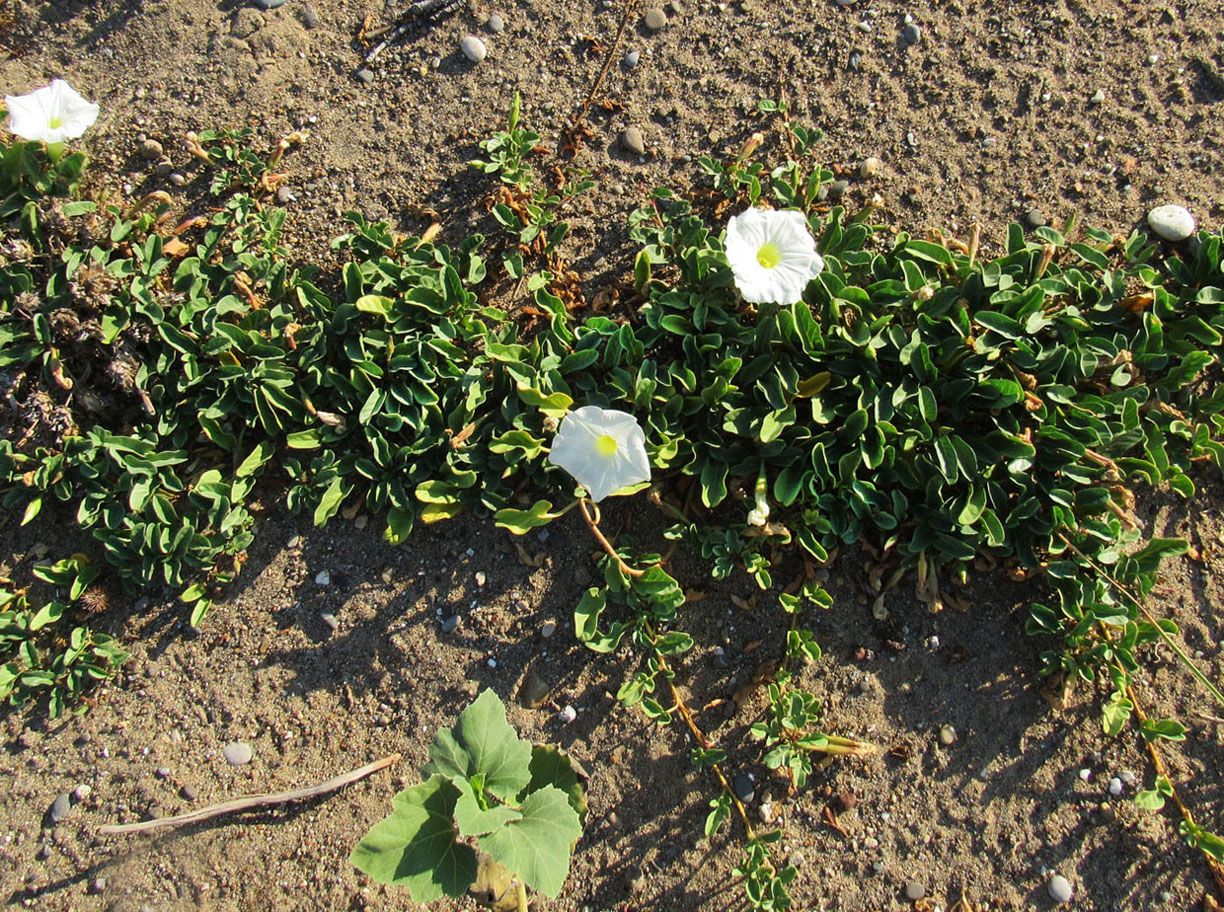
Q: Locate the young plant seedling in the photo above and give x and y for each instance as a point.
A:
(494, 816)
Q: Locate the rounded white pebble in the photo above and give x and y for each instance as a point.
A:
(323, 578)
(1173, 223)
(473, 48)
(492, 663)
(1115, 786)
(567, 715)
(1085, 774)
(1060, 889)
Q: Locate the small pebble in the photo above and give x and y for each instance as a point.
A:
(1035, 218)
(1060, 889)
(495, 23)
(450, 624)
(473, 48)
(481, 578)
(492, 663)
(151, 150)
(534, 690)
(270, 4)
(548, 629)
(323, 578)
(1115, 786)
(366, 75)
(162, 772)
(631, 59)
(655, 19)
(838, 189)
(877, 866)
(911, 34)
(1173, 223)
(285, 196)
(1085, 774)
(81, 792)
(177, 179)
(947, 735)
(1128, 778)
(869, 167)
(914, 890)
(633, 142)
(61, 807)
(333, 624)
(567, 715)
(744, 786)
(238, 753)
(767, 812)
(190, 792)
(310, 17)
(1098, 97)
(98, 885)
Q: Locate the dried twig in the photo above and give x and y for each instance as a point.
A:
(630, 7)
(250, 802)
(422, 12)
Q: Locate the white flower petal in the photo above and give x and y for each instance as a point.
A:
(783, 237)
(51, 114)
(580, 450)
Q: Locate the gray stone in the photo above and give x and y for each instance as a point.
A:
(151, 150)
(98, 885)
(450, 624)
(1173, 223)
(911, 34)
(631, 59)
(655, 19)
(914, 890)
(190, 792)
(61, 807)
(323, 578)
(549, 628)
(310, 17)
(238, 753)
(1060, 889)
(495, 23)
(838, 189)
(633, 142)
(177, 178)
(366, 75)
(1035, 218)
(270, 4)
(81, 792)
(744, 786)
(473, 48)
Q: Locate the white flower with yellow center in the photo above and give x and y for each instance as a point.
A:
(604, 449)
(772, 254)
(51, 114)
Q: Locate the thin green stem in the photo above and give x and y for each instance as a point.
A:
(1164, 634)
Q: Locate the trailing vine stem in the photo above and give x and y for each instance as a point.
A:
(695, 730)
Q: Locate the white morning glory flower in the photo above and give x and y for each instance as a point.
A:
(604, 449)
(51, 114)
(772, 254)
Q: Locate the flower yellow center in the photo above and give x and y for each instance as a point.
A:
(769, 255)
(605, 445)
(55, 123)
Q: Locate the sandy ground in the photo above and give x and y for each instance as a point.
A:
(990, 116)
